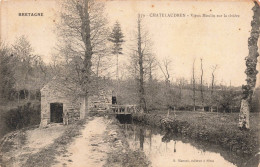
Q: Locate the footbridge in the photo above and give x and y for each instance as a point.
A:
(124, 109)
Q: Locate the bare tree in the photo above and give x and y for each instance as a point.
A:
(251, 72)
(39, 76)
(151, 63)
(151, 86)
(140, 53)
(139, 60)
(83, 35)
(101, 63)
(22, 50)
(55, 65)
(165, 70)
(193, 86)
(29, 70)
(168, 93)
(212, 84)
(213, 78)
(201, 84)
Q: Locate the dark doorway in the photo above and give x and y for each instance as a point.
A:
(56, 112)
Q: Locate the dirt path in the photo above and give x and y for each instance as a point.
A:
(89, 149)
(98, 142)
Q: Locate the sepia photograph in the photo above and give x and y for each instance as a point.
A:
(129, 83)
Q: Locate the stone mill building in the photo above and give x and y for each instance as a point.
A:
(60, 96)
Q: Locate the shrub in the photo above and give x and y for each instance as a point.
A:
(23, 116)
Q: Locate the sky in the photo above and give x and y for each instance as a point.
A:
(220, 41)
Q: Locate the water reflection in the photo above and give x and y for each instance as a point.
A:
(168, 150)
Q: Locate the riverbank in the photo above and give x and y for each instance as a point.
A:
(120, 153)
(220, 129)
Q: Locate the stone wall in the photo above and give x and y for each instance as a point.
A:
(100, 102)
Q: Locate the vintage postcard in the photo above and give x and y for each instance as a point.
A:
(129, 83)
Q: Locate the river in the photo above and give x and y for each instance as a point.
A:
(165, 149)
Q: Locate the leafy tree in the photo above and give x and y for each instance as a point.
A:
(117, 38)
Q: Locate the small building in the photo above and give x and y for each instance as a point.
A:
(60, 96)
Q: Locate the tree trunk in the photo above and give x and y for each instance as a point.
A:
(201, 86)
(84, 107)
(244, 115)
(141, 69)
(117, 77)
(193, 87)
(211, 92)
(85, 29)
(251, 72)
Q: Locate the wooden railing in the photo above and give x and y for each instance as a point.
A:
(124, 109)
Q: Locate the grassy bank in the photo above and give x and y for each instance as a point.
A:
(120, 154)
(220, 129)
